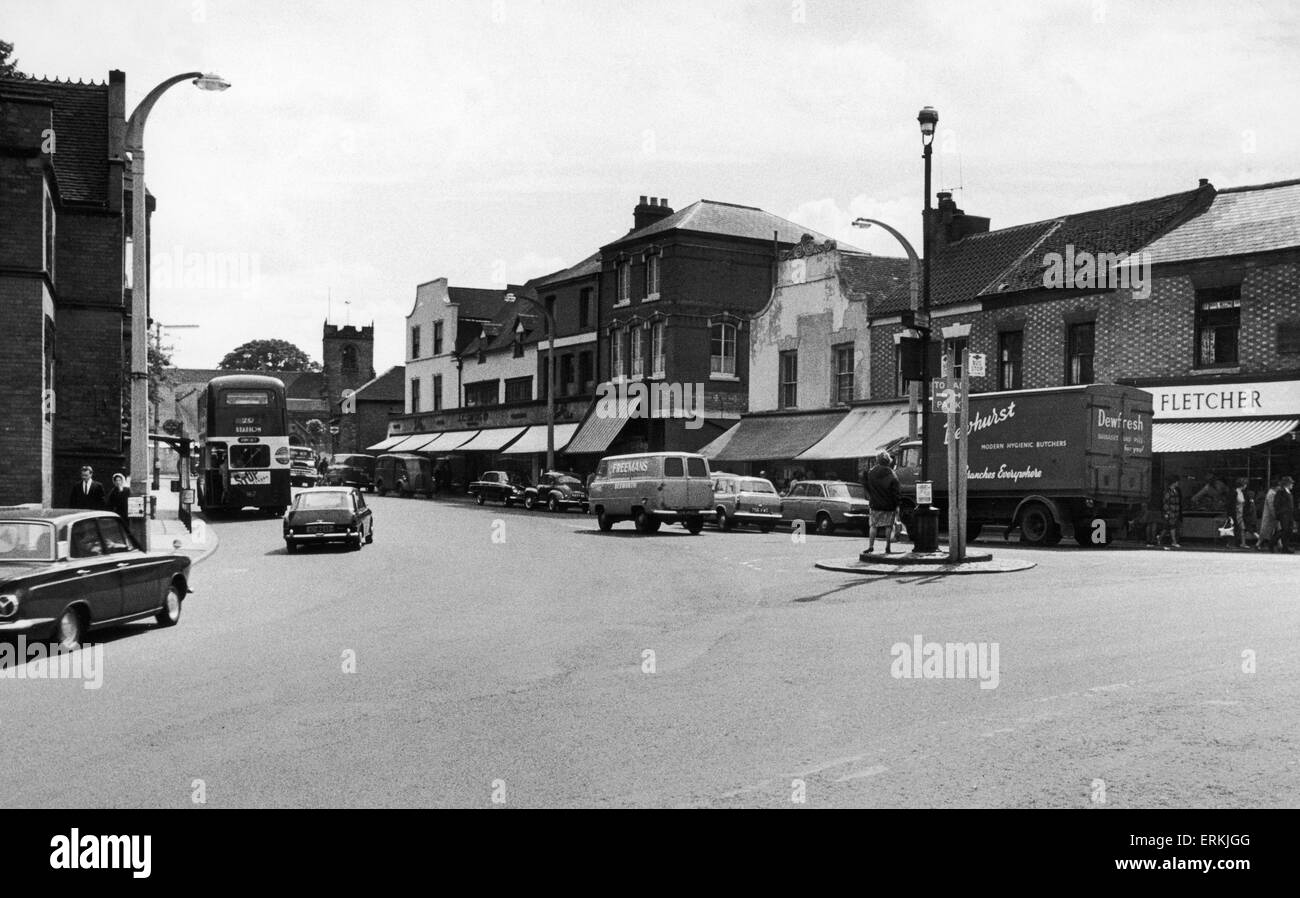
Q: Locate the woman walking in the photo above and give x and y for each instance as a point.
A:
(1172, 510)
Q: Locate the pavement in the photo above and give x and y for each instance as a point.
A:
(168, 533)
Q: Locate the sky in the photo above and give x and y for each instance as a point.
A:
(364, 149)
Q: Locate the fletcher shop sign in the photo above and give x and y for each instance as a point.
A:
(1242, 400)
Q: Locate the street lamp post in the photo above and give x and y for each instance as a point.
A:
(140, 284)
(513, 296)
(927, 536)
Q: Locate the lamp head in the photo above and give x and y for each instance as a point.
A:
(211, 81)
(928, 117)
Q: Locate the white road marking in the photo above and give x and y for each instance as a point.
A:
(860, 774)
(828, 765)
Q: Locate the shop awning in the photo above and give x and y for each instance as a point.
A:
(449, 441)
(1216, 436)
(775, 436)
(534, 439)
(388, 443)
(491, 440)
(862, 432)
(409, 442)
(422, 445)
(598, 431)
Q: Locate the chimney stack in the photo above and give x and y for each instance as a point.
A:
(647, 213)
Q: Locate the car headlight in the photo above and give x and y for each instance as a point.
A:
(8, 604)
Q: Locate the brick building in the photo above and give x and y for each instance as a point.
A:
(65, 200)
(364, 416)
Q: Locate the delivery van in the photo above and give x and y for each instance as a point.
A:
(404, 474)
(650, 488)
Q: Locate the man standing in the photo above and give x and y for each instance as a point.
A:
(883, 491)
(88, 493)
(1284, 511)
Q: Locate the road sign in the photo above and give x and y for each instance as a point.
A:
(334, 430)
(924, 492)
(977, 364)
(946, 393)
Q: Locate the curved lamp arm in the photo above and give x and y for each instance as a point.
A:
(135, 125)
(914, 261)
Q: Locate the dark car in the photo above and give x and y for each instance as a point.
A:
(498, 486)
(328, 514)
(828, 504)
(351, 469)
(64, 573)
(558, 491)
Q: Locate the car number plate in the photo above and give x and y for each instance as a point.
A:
(319, 528)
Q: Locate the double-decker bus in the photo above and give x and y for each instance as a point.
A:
(244, 457)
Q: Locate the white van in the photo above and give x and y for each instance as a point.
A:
(650, 488)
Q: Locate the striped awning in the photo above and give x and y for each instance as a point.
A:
(862, 432)
(1216, 436)
(492, 439)
(534, 439)
(409, 442)
(774, 437)
(388, 443)
(600, 430)
(448, 440)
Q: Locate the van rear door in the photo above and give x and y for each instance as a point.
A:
(699, 483)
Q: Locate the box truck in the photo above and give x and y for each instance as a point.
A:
(1050, 462)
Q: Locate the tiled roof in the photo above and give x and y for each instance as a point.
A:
(729, 219)
(1241, 220)
(872, 278)
(81, 129)
(387, 387)
(588, 266)
(499, 333)
(1011, 260)
(476, 302)
(297, 384)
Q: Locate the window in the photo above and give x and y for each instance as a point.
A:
(900, 385)
(519, 389)
(437, 392)
(415, 394)
(844, 373)
(566, 375)
(1079, 342)
(624, 282)
(789, 388)
(697, 467)
(85, 539)
(115, 538)
(584, 308)
(673, 466)
(722, 349)
(954, 350)
(50, 235)
(652, 275)
(415, 342)
(1011, 360)
(437, 338)
(349, 358)
(586, 372)
(657, 349)
(1218, 326)
(519, 342)
(638, 353)
(256, 456)
(484, 392)
(616, 364)
(1288, 337)
(550, 310)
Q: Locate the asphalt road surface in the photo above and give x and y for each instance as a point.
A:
(474, 656)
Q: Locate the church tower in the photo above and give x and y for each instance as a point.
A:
(348, 354)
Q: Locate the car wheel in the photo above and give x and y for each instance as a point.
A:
(825, 526)
(370, 535)
(695, 523)
(530, 501)
(356, 544)
(68, 631)
(479, 498)
(290, 546)
(724, 522)
(553, 505)
(645, 522)
(604, 522)
(170, 613)
(507, 501)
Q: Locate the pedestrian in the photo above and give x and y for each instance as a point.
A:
(118, 495)
(1244, 523)
(883, 493)
(88, 493)
(1172, 510)
(322, 465)
(1284, 511)
(1268, 519)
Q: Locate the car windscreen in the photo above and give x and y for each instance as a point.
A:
(322, 501)
(26, 541)
(757, 486)
(846, 490)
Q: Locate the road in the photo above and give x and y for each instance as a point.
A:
(502, 654)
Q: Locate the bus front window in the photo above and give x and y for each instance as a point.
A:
(250, 456)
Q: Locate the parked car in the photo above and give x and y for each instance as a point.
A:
(827, 504)
(302, 467)
(351, 469)
(745, 500)
(651, 488)
(404, 474)
(558, 491)
(498, 486)
(328, 514)
(64, 573)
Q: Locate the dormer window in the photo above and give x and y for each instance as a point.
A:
(519, 340)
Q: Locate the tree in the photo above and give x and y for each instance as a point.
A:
(267, 355)
(9, 65)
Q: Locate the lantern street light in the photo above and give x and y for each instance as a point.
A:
(521, 296)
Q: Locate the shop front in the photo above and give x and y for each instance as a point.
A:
(1210, 433)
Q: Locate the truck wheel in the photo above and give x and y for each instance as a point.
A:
(695, 523)
(1037, 528)
(825, 526)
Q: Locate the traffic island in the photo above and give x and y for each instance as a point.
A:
(930, 563)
